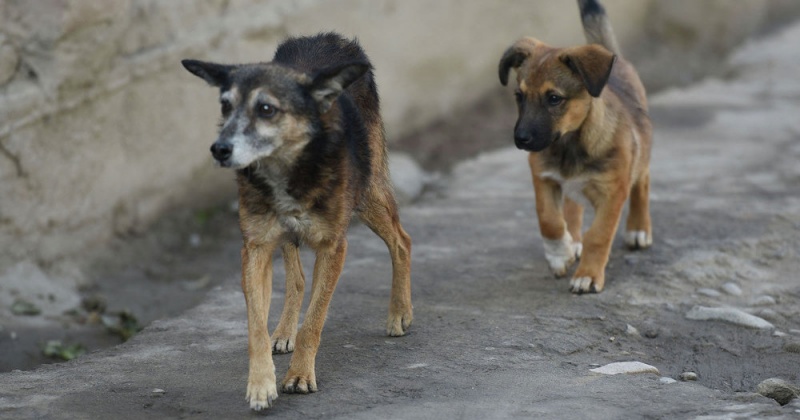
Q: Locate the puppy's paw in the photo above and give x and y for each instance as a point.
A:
(585, 284)
(638, 239)
(299, 383)
(261, 394)
(398, 323)
(561, 253)
(281, 344)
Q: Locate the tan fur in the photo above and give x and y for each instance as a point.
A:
(613, 130)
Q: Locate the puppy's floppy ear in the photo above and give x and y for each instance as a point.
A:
(326, 84)
(214, 74)
(514, 56)
(592, 64)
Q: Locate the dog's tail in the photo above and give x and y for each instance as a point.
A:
(596, 25)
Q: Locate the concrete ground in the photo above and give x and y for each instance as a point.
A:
(494, 335)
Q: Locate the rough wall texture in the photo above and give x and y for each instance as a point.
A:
(101, 129)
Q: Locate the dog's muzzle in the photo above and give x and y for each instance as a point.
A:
(530, 143)
(221, 151)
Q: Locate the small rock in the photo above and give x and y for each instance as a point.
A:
(625, 367)
(792, 347)
(709, 292)
(666, 380)
(764, 300)
(779, 334)
(732, 315)
(158, 391)
(408, 177)
(778, 389)
(688, 376)
(194, 240)
(631, 330)
(732, 289)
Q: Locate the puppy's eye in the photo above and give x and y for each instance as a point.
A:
(518, 96)
(225, 107)
(266, 111)
(554, 100)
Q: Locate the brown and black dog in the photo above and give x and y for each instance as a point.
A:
(306, 138)
(583, 118)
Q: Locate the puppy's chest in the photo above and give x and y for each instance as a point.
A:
(572, 187)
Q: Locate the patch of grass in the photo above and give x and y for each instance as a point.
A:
(56, 349)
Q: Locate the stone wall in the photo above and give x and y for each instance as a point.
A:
(101, 129)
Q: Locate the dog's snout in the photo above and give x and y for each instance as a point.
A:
(221, 151)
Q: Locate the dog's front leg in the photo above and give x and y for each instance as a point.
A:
(328, 267)
(257, 287)
(283, 337)
(559, 248)
(590, 275)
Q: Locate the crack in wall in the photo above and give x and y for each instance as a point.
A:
(15, 160)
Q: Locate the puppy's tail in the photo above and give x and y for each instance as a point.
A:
(596, 25)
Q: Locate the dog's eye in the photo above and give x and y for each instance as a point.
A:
(554, 100)
(266, 110)
(225, 107)
(518, 96)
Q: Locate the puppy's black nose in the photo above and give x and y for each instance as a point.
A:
(522, 140)
(221, 151)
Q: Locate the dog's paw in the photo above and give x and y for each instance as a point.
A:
(299, 384)
(282, 345)
(585, 284)
(261, 395)
(398, 324)
(561, 253)
(638, 239)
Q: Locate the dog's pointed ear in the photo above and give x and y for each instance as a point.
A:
(514, 56)
(327, 83)
(215, 74)
(592, 64)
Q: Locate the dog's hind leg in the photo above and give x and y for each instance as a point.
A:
(380, 214)
(283, 338)
(638, 229)
(301, 377)
(257, 287)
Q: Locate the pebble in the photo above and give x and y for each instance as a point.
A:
(709, 292)
(688, 376)
(778, 389)
(625, 367)
(732, 315)
(158, 391)
(779, 334)
(631, 330)
(732, 289)
(666, 380)
(194, 240)
(764, 300)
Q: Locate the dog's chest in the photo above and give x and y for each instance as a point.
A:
(289, 212)
(572, 187)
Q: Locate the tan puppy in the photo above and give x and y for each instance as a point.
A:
(583, 118)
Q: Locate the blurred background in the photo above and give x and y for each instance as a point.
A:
(103, 134)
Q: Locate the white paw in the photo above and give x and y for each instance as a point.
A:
(638, 239)
(262, 396)
(561, 253)
(583, 285)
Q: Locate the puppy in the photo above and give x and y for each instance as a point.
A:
(583, 118)
(305, 136)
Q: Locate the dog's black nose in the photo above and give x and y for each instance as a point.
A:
(221, 151)
(522, 141)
